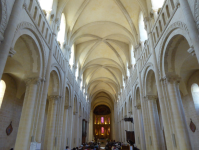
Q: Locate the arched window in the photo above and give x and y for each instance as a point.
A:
(46, 4)
(71, 62)
(143, 33)
(77, 72)
(132, 56)
(128, 70)
(124, 82)
(61, 33)
(195, 95)
(81, 84)
(2, 91)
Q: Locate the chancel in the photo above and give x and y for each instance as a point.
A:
(99, 74)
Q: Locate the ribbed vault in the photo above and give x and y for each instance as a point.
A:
(103, 32)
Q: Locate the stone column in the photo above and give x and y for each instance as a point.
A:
(154, 120)
(51, 120)
(80, 130)
(136, 125)
(9, 33)
(23, 137)
(180, 126)
(163, 107)
(141, 127)
(191, 25)
(45, 91)
(69, 126)
(64, 136)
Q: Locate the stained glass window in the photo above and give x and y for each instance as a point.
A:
(109, 121)
(102, 119)
(102, 130)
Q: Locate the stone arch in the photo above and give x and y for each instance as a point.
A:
(26, 28)
(149, 83)
(3, 18)
(196, 13)
(55, 82)
(177, 28)
(177, 61)
(137, 96)
(67, 95)
(147, 68)
(130, 105)
(75, 106)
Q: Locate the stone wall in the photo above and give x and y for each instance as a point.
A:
(10, 111)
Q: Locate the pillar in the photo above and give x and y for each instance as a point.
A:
(191, 25)
(69, 127)
(51, 120)
(180, 126)
(9, 33)
(45, 92)
(163, 105)
(141, 127)
(64, 135)
(155, 124)
(23, 136)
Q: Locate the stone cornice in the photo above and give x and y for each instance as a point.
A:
(54, 97)
(151, 97)
(171, 77)
(30, 81)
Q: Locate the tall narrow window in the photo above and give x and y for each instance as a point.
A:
(77, 72)
(61, 33)
(143, 33)
(2, 91)
(195, 95)
(102, 119)
(156, 4)
(109, 121)
(46, 4)
(102, 130)
(71, 62)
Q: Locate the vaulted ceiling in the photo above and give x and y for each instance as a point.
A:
(103, 32)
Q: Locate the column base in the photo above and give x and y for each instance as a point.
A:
(35, 146)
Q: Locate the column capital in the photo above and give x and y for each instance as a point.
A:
(25, 6)
(191, 50)
(67, 47)
(36, 80)
(171, 77)
(138, 46)
(146, 19)
(66, 107)
(75, 67)
(130, 66)
(12, 52)
(138, 106)
(54, 97)
(151, 97)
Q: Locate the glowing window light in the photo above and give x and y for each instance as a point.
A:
(102, 119)
(109, 120)
(102, 130)
(2, 91)
(61, 33)
(157, 4)
(71, 62)
(143, 33)
(195, 95)
(46, 4)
